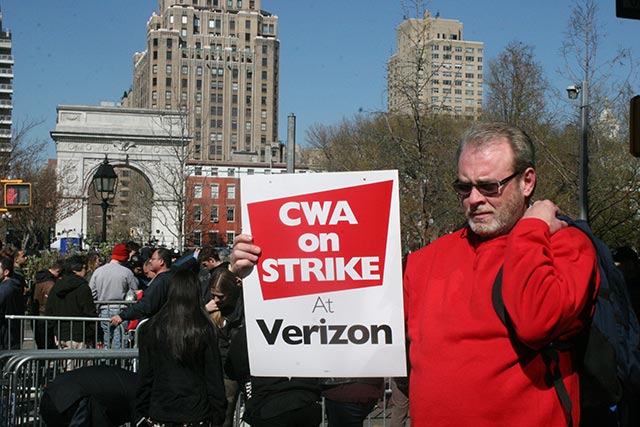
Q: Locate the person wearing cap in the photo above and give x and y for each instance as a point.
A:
(109, 285)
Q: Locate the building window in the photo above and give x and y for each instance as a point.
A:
(197, 213)
(231, 192)
(231, 213)
(198, 172)
(197, 238)
(197, 190)
(167, 95)
(230, 236)
(215, 189)
(213, 238)
(213, 213)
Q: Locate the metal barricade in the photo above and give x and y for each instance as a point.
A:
(47, 326)
(25, 373)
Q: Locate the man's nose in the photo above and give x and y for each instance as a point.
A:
(476, 197)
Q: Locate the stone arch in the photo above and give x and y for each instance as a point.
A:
(132, 139)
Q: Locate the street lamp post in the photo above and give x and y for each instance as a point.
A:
(104, 184)
(583, 172)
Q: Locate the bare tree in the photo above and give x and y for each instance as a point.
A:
(516, 87)
(24, 161)
(614, 184)
(173, 176)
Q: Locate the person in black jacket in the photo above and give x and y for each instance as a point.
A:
(93, 396)
(71, 296)
(273, 401)
(11, 302)
(180, 370)
(227, 312)
(155, 295)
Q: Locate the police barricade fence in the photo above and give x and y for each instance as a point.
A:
(25, 371)
(49, 332)
(45, 328)
(25, 374)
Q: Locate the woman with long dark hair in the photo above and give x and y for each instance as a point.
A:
(227, 312)
(180, 369)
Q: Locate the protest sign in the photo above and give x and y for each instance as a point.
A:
(325, 298)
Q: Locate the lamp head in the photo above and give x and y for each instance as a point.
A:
(573, 91)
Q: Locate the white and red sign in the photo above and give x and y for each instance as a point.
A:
(325, 298)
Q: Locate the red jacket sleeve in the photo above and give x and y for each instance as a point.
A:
(549, 282)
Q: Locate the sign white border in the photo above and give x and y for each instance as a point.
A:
(378, 305)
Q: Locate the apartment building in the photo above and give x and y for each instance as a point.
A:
(434, 68)
(6, 90)
(217, 62)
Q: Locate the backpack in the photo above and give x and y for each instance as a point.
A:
(608, 350)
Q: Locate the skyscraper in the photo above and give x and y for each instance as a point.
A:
(435, 69)
(217, 61)
(6, 90)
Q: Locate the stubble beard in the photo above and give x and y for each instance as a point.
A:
(501, 221)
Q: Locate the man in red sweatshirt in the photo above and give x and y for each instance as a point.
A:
(465, 369)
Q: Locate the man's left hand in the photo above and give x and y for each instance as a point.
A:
(547, 211)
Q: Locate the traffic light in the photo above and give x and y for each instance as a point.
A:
(628, 9)
(17, 195)
(634, 126)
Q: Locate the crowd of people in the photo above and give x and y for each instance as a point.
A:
(465, 367)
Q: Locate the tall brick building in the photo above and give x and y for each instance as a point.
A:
(435, 69)
(217, 61)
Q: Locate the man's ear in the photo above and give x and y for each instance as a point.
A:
(529, 179)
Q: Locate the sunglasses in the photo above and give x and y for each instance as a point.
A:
(485, 188)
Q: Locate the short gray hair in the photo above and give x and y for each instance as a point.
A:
(486, 134)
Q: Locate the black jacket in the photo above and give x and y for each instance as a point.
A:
(152, 300)
(267, 397)
(170, 391)
(71, 296)
(110, 389)
(11, 302)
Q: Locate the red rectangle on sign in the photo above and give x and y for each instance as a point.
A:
(322, 242)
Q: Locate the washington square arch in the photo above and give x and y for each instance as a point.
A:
(144, 147)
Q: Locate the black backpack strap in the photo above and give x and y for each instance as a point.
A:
(496, 297)
(549, 353)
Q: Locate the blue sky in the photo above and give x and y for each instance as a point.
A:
(333, 52)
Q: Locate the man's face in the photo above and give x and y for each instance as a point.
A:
(81, 273)
(494, 215)
(21, 258)
(156, 263)
(210, 264)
